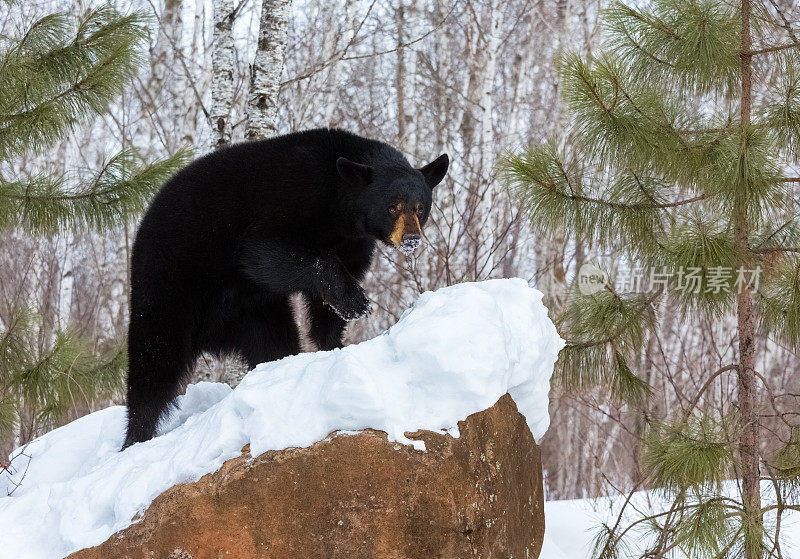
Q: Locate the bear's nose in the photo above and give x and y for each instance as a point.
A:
(409, 244)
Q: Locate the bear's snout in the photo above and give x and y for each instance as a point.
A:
(410, 243)
(407, 232)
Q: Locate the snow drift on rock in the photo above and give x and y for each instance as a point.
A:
(456, 352)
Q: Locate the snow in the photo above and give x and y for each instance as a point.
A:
(572, 525)
(456, 352)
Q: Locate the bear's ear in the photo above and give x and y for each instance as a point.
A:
(354, 173)
(435, 171)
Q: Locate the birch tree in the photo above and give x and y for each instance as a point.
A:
(262, 106)
(487, 206)
(222, 66)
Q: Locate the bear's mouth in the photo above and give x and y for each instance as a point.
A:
(409, 245)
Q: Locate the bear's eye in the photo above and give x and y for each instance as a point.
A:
(421, 211)
(394, 211)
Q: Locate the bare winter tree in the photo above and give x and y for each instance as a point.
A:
(267, 69)
(413, 73)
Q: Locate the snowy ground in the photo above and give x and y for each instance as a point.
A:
(454, 353)
(572, 525)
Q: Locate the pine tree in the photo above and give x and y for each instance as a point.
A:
(676, 158)
(60, 72)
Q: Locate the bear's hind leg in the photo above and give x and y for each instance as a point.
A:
(159, 355)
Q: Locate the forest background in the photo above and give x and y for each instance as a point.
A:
(472, 78)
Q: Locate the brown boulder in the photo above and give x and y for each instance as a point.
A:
(357, 496)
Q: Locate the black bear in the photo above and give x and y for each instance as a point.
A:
(231, 236)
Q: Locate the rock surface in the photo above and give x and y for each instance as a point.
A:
(357, 496)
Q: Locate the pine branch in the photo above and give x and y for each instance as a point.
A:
(683, 455)
(642, 206)
(678, 43)
(786, 25)
(782, 111)
(600, 329)
(51, 84)
(767, 250)
(791, 235)
(780, 296)
(774, 48)
(44, 203)
(638, 125)
(546, 184)
(706, 385)
(53, 381)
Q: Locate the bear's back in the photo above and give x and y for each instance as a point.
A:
(201, 214)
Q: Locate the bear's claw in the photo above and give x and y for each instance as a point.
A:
(353, 305)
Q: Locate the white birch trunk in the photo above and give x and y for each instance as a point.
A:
(564, 9)
(66, 280)
(443, 54)
(519, 131)
(262, 107)
(332, 43)
(486, 210)
(167, 81)
(549, 253)
(329, 45)
(222, 73)
(200, 52)
(487, 90)
(400, 75)
(462, 140)
(412, 115)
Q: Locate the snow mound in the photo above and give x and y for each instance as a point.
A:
(456, 352)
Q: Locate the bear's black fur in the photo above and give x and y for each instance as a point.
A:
(232, 235)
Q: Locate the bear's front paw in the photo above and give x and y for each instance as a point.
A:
(351, 304)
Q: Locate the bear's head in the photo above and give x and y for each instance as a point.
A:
(392, 201)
